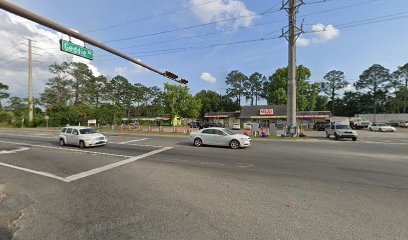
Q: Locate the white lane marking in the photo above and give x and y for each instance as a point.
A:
(45, 174)
(146, 145)
(14, 151)
(67, 149)
(33, 136)
(113, 165)
(141, 145)
(136, 140)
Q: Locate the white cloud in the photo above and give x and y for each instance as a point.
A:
(134, 70)
(349, 88)
(208, 78)
(321, 34)
(120, 70)
(221, 10)
(13, 31)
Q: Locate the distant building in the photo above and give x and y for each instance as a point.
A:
(265, 115)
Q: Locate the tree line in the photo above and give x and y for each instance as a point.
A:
(377, 90)
(74, 94)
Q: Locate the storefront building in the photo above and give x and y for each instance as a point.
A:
(226, 119)
(267, 114)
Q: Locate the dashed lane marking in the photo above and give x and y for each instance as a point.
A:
(89, 172)
(67, 149)
(45, 174)
(33, 136)
(136, 140)
(113, 165)
(14, 151)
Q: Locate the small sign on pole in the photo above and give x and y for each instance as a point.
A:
(46, 118)
(69, 47)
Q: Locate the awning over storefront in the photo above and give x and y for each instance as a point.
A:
(216, 116)
(299, 116)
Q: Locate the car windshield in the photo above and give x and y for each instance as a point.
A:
(229, 132)
(382, 124)
(87, 131)
(343, 127)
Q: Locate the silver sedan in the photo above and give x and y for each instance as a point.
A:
(219, 137)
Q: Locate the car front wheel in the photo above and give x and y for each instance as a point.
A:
(198, 142)
(380, 129)
(234, 144)
(354, 139)
(82, 144)
(61, 142)
(336, 136)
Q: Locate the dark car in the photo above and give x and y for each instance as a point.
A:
(321, 126)
(210, 124)
(195, 124)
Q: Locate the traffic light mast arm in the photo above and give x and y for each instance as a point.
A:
(57, 27)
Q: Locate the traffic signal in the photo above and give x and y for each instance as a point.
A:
(170, 75)
(183, 81)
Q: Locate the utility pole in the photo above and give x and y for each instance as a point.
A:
(30, 84)
(292, 7)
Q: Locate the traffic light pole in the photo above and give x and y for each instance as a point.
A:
(5, 5)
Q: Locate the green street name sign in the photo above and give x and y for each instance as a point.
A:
(76, 49)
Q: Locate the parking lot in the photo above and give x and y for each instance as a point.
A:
(365, 136)
(152, 186)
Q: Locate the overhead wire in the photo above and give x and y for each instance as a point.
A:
(269, 10)
(150, 17)
(256, 25)
(341, 26)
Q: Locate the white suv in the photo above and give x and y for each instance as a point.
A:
(81, 136)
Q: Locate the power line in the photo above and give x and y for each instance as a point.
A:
(203, 47)
(269, 10)
(339, 8)
(198, 35)
(235, 18)
(385, 18)
(256, 25)
(151, 17)
(206, 34)
(342, 26)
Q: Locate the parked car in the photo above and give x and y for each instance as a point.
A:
(341, 131)
(194, 124)
(81, 136)
(359, 123)
(321, 126)
(403, 124)
(219, 137)
(236, 126)
(134, 125)
(381, 127)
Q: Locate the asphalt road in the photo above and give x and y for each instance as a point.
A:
(160, 187)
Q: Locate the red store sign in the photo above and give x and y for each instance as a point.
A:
(263, 112)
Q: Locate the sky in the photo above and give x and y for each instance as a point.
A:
(203, 40)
